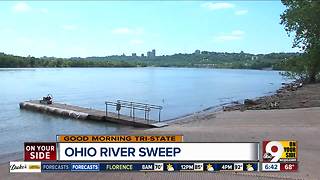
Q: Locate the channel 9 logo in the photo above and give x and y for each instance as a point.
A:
(280, 151)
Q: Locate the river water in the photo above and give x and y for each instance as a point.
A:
(180, 91)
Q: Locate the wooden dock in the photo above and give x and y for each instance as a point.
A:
(88, 114)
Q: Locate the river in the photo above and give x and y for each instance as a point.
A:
(180, 91)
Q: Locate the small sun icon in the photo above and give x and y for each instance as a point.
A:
(170, 167)
(210, 167)
(249, 167)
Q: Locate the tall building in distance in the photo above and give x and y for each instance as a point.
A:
(151, 54)
(197, 52)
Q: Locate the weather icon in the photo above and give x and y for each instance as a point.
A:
(170, 167)
(210, 168)
(249, 167)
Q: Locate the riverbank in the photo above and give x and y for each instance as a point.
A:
(296, 116)
(290, 96)
(253, 125)
(301, 124)
(298, 123)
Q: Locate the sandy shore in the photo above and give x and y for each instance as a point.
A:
(301, 124)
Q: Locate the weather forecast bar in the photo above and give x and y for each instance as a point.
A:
(73, 156)
(158, 151)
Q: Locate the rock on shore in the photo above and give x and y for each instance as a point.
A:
(294, 95)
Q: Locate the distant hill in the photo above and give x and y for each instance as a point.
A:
(204, 59)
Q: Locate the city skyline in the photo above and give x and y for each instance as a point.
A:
(83, 29)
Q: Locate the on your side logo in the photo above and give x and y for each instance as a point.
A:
(280, 151)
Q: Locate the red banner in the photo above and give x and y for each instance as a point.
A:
(40, 152)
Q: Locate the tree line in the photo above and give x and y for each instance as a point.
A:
(204, 59)
(10, 61)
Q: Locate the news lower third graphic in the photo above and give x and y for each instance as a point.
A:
(154, 153)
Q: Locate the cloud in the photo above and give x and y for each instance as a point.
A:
(234, 35)
(43, 10)
(241, 12)
(218, 6)
(21, 7)
(69, 27)
(24, 7)
(136, 42)
(128, 31)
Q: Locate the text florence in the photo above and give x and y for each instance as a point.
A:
(123, 152)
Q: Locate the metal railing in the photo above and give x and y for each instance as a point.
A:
(132, 106)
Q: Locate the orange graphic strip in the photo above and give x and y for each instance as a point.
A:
(119, 138)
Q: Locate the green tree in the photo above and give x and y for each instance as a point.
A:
(302, 17)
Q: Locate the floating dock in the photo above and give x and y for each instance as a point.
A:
(89, 114)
